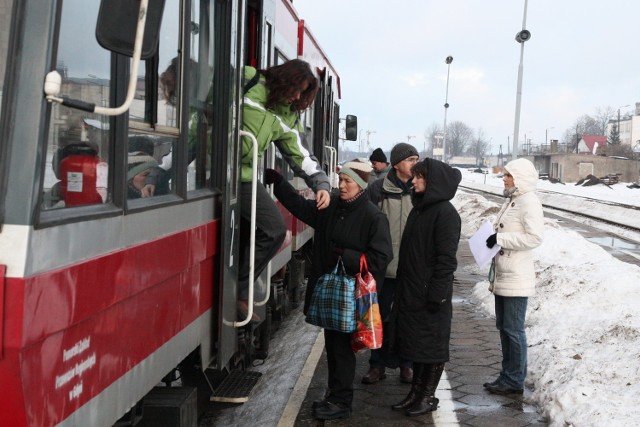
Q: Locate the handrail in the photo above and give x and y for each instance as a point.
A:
(272, 162)
(53, 80)
(252, 238)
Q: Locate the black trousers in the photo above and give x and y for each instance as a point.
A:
(341, 361)
(383, 357)
(270, 233)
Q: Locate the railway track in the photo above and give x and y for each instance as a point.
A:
(617, 230)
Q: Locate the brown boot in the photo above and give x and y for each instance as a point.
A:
(243, 309)
(414, 394)
(373, 376)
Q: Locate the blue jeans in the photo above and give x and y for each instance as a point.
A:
(510, 315)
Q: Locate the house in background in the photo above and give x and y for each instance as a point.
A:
(628, 126)
(592, 144)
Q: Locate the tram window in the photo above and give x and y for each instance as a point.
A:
(153, 137)
(200, 95)
(165, 63)
(77, 161)
(5, 21)
(147, 169)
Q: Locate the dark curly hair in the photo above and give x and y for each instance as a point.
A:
(285, 80)
(420, 169)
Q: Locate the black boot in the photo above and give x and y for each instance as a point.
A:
(427, 401)
(414, 394)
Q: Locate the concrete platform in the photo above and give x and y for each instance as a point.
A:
(475, 359)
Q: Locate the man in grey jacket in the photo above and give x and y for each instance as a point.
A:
(392, 195)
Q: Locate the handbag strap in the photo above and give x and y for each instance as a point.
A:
(363, 265)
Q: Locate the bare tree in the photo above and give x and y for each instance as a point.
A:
(459, 136)
(430, 139)
(479, 146)
(602, 118)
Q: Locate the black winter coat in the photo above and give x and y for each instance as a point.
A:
(357, 227)
(427, 262)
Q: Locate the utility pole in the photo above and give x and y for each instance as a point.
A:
(521, 37)
(448, 61)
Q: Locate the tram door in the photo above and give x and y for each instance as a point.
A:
(226, 168)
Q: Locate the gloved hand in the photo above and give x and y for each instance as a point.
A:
(272, 176)
(491, 240)
(433, 307)
(337, 253)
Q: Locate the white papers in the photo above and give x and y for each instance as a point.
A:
(478, 245)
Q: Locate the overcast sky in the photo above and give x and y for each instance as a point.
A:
(391, 60)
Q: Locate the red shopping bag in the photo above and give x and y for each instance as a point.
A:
(368, 332)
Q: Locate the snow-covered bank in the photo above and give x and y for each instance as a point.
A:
(583, 324)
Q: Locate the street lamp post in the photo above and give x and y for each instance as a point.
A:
(448, 61)
(521, 37)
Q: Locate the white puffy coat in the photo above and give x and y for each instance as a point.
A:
(519, 227)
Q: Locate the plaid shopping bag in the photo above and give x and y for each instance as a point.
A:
(333, 304)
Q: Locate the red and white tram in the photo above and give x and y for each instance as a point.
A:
(103, 293)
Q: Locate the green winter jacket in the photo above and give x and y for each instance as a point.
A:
(282, 126)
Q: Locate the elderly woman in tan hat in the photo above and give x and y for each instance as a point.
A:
(350, 227)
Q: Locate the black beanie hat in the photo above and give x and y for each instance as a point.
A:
(378, 156)
(401, 151)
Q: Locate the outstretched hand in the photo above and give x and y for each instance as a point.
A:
(322, 199)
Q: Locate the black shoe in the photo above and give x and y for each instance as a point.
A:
(492, 383)
(319, 403)
(332, 411)
(407, 402)
(422, 406)
(501, 388)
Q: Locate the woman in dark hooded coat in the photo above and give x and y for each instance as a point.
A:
(427, 260)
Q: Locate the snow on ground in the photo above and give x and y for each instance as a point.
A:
(583, 324)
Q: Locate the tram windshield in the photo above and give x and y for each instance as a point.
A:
(80, 155)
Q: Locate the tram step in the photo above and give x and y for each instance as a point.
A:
(236, 387)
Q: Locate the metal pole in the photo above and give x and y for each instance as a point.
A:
(448, 61)
(620, 133)
(521, 37)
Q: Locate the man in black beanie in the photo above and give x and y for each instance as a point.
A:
(379, 164)
(401, 151)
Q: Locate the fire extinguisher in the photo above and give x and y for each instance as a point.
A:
(78, 174)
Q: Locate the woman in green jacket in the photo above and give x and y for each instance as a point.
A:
(273, 101)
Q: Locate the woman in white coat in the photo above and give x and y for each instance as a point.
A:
(518, 230)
